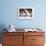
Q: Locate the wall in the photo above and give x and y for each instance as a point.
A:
(8, 13)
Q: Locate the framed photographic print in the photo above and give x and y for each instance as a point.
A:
(25, 13)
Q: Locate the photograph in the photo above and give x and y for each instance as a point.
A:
(25, 13)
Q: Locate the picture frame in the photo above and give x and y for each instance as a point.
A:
(25, 13)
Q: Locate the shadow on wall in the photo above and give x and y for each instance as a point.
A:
(2, 26)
